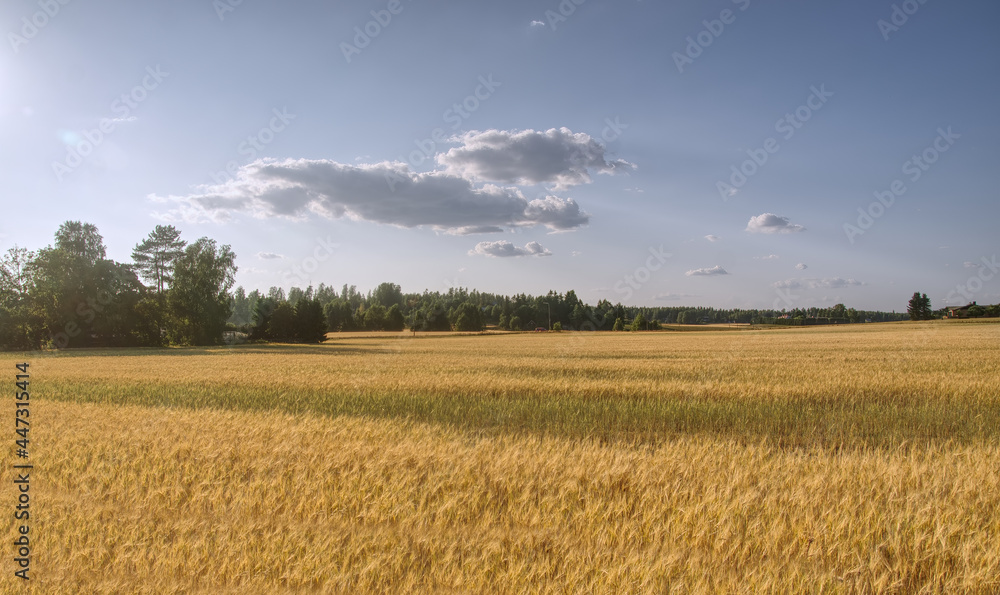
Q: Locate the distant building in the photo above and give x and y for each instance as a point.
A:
(961, 312)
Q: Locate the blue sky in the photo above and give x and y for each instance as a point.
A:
(660, 153)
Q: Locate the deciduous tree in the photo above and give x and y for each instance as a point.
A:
(199, 298)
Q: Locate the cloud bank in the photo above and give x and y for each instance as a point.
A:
(463, 196)
(558, 157)
(387, 193)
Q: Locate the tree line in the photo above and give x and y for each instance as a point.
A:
(69, 294)
(388, 308)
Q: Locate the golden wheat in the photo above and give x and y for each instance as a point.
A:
(237, 495)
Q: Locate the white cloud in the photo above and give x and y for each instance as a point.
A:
(505, 249)
(387, 193)
(269, 256)
(813, 283)
(716, 270)
(768, 257)
(971, 265)
(802, 266)
(537, 24)
(771, 223)
(555, 213)
(556, 156)
(712, 238)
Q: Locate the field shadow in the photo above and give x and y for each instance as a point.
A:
(633, 420)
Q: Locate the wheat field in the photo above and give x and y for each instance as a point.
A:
(859, 459)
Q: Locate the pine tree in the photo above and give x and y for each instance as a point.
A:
(913, 307)
(310, 321)
(919, 307)
(154, 258)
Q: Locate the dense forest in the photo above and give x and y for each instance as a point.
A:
(69, 294)
(388, 308)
